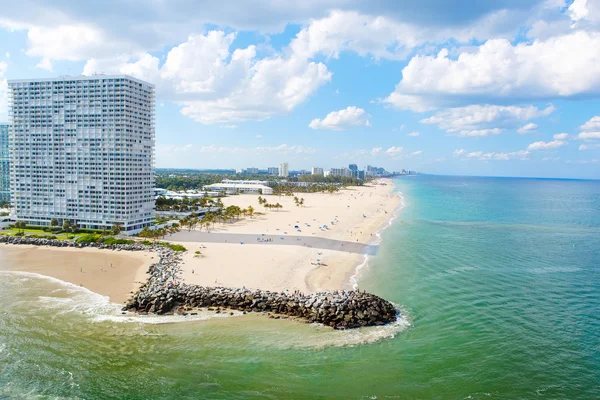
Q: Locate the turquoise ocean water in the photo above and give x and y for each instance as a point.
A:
(498, 281)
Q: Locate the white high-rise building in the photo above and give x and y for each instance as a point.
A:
(82, 150)
(345, 172)
(283, 169)
(316, 171)
(4, 165)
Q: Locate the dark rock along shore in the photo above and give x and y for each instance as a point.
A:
(164, 292)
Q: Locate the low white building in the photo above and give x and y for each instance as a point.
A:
(234, 187)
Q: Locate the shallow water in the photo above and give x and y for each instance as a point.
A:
(498, 280)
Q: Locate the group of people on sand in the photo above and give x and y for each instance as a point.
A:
(264, 240)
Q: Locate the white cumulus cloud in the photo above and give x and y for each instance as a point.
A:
(394, 151)
(553, 145)
(414, 134)
(484, 119)
(561, 136)
(592, 124)
(342, 119)
(217, 85)
(557, 67)
(527, 128)
(491, 156)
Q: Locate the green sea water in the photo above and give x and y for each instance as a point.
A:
(497, 280)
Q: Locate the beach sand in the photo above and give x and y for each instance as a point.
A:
(110, 273)
(280, 267)
(258, 266)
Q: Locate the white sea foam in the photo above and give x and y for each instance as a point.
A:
(202, 315)
(354, 279)
(322, 336)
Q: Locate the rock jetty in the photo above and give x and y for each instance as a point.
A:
(340, 310)
(164, 292)
(67, 243)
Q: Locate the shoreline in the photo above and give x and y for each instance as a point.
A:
(279, 268)
(116, 275)
(355, 278)
(310, 263)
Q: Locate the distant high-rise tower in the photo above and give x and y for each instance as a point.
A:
(283, 169)
(316, 171)
(4, 165)
(82, 150)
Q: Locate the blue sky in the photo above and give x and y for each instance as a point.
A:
(507, 88)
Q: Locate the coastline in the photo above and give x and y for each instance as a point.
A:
(109, 273)
(258, 266)
(319, 266)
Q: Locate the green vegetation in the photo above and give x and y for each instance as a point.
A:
(181, 180)
(186, 203)
(341, 180)
(95, 238)
(176, 247)
(159, 233)
(299, 202)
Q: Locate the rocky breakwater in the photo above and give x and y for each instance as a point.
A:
(164, 292)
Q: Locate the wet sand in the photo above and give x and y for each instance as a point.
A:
(110, 273)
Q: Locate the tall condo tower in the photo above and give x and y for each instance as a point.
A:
(82, 149)
(283, 169)
(4, 165)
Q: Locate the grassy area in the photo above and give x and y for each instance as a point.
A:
(174, 247)
(38, 233)
(85, 237)
(95, 238)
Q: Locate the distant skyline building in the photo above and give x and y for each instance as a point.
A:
(4, 164)
(353, 170)
(316, 171)
(82, 150)
(284, 170)
(252, 170)
(273, 171)
(344, 172)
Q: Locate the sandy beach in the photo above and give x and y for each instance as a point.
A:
(110, 273)
(302, 254)
(320, 254)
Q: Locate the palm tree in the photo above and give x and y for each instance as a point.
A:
(67, 226)
(250, 211)
(53, 222)
(301, 202)
(117, 228)
(21, 225)
(146, 233)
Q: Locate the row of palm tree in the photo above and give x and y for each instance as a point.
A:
(299, 202)
(186, 203)
(148, 233)
(223, 215)
(276, 206)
